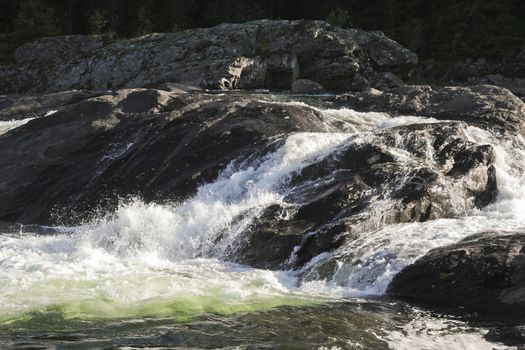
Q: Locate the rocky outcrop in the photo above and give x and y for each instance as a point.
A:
(484, 273)
(486, 106)
(260, 54)
(366, 186)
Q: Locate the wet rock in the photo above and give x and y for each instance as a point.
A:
(486, 106)
(20, 230)
(259, 54)
(176, 88)
(156, 144)
(367, 185)
(484, 273)
(265, 248)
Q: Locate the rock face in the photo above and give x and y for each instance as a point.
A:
(484, 273)
(260, 54)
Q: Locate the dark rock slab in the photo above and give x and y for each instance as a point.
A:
(515, 85)
(26, 106)
(156, 144)
(484, 273)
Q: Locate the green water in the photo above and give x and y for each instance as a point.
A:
(294, 327)
(364, 324)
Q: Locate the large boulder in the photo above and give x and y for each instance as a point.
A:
(484, 273)
(259, 54)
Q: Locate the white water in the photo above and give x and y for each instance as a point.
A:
(150, 259)
(8, 125)
(5, 126)
(430, 333)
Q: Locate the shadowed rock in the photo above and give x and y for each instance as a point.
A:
(19, 107)
(484, 273)
(305, 86)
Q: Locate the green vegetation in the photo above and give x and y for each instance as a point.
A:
(340, 18)
(445, 30)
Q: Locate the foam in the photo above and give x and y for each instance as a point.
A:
(6, 126)
(427, 332)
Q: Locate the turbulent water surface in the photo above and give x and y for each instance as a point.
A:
(152, 275)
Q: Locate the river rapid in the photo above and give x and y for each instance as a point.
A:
(154, 275)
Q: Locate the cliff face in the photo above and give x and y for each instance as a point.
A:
(253, 55)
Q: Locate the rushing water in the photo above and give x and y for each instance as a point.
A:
(5, 126)
(153, 275)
